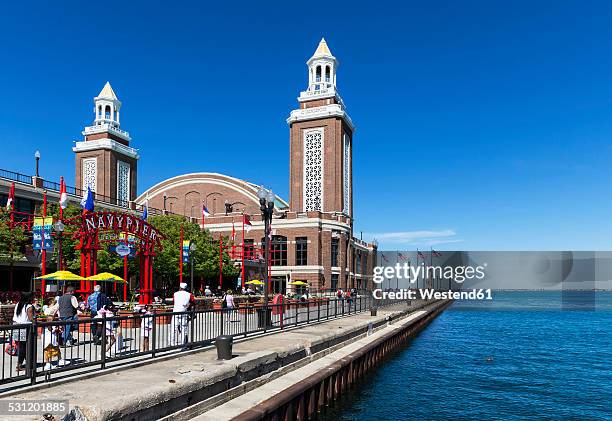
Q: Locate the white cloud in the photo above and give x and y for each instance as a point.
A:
(416, 238)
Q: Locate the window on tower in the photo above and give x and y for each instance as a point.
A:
(318, 74)
(107, 112)
(327, 74)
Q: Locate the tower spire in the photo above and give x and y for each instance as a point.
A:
(322, 49)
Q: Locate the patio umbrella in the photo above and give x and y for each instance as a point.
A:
(254, 282)
(61, 275)
(106, 277)
(299, 283)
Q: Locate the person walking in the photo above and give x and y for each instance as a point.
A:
(180, 322)
(229, 305)
(22, 315)
(95, 302)
(68, 305)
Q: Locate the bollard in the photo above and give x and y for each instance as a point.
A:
(224, 347)
(264, 318)
(373, 311)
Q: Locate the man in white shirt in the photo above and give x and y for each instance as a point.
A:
(180, 322)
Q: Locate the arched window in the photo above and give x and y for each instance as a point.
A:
(107, 112)
(327, 74)
(318, 74)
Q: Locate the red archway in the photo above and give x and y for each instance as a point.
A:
(95, 228)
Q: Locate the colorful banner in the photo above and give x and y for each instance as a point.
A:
(38, 228)
(186, 244)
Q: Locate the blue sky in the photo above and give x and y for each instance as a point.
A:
(480, 125)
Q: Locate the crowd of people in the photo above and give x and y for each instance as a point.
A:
(66, 307)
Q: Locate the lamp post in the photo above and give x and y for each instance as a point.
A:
(192, 249)
(165, 198)
(37, 158)
(59, 229)
(266, 201)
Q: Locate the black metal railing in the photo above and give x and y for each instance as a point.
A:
(15, 176)
(87, 343)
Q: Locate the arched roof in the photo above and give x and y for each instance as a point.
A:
(207, 183)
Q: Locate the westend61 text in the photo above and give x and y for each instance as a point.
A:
(428, 294)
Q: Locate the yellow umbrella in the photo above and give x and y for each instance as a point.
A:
(61, 275)
(106, 277)
(298, 283)
(254, 282)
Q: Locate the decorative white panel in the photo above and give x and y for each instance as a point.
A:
(313, 170)
(90, 173)
(123, 183)
(346, 175)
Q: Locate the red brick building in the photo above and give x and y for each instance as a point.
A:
(312, 234)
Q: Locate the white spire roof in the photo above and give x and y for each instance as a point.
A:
(107, 92)
(322, 50)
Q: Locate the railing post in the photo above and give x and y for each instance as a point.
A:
(104, 340)
(221, 318)
(246, 319)
(307, 312)
(31, 351)
(318, 310)
(153, 339)
(191, 339)
(297, 312)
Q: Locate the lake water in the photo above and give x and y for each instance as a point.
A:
(523, 355)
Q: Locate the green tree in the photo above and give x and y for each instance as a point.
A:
(206, 263)
(13, 242)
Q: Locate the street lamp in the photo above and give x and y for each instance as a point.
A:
(59, 229)
(192, 249)
(266, 200)
(37, 157)
(165, 198)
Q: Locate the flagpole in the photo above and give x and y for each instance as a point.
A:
(242, 275)
(44, 251)
(396, 277)
(181, 257)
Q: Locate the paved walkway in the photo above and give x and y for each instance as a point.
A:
(205, 328)
(196, 374)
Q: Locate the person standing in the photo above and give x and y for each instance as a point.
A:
(22, 315)
(180, 322)
(229, 305)
(68, 305)
(95, 302)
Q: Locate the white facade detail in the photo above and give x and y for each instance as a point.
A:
(313, 170)
(346, 175)
(108, 144)
(89, 173)
(123, 182)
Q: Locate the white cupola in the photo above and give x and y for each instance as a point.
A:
(107, 107)
(322, 69)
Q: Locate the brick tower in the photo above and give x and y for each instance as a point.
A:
(321, 136)
(105, 162)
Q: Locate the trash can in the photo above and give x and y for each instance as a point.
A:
(264, 317)
(224, 347)
(373, 311)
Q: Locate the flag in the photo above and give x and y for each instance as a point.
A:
(233, 232)
(402, 257)
(11, 198)
(145, 210)
(421, 255)
(205, 212)
(63, 199)
(87, 203)
(384, 257)
(435, 253)
(247, 223)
